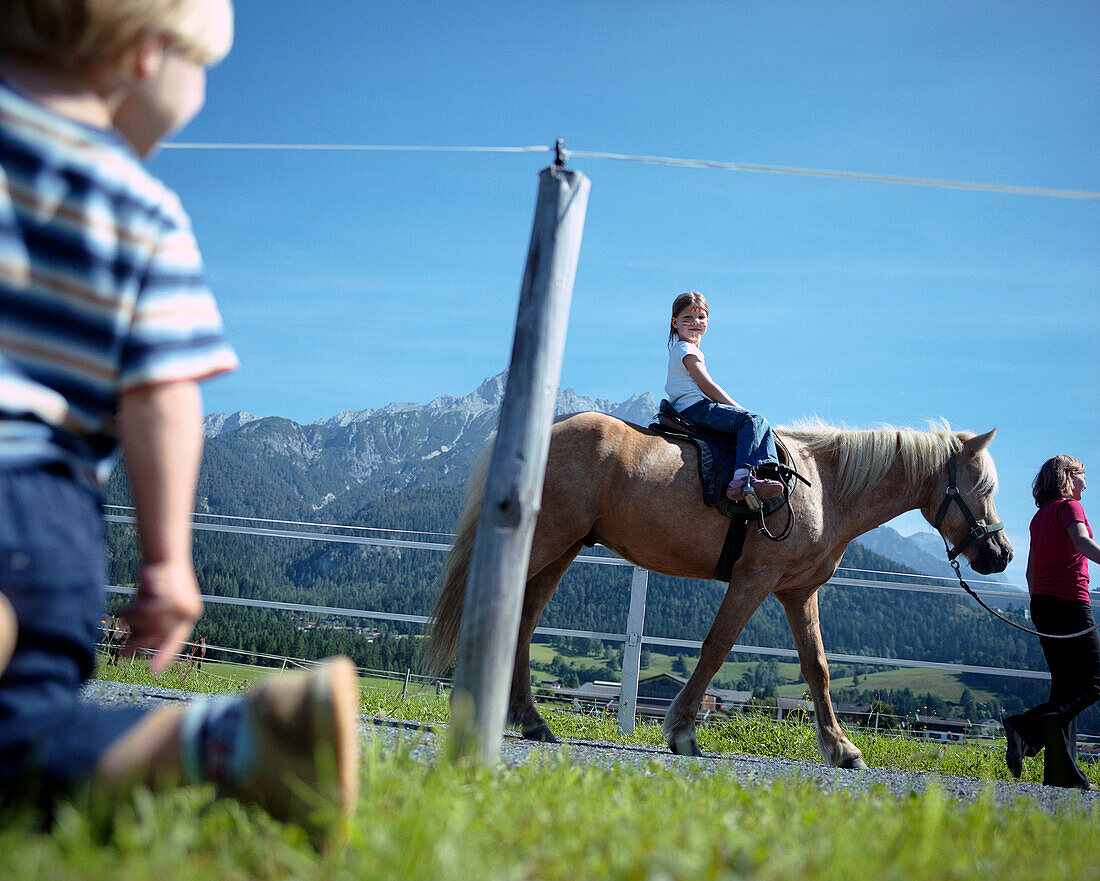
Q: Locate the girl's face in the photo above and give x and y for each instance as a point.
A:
(1077, 485)
(691, 324)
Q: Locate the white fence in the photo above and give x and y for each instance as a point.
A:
(633, 638)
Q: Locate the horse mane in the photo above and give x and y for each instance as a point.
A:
(863, 456)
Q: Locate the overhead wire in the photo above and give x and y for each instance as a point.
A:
(753, 168)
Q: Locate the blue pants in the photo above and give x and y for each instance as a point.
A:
(755, 443)
(52, 570)
(1074, 686)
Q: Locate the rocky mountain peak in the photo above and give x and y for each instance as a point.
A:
(219, 423)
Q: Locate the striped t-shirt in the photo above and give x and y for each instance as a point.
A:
(101, 289)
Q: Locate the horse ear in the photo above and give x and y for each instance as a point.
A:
(979, 442)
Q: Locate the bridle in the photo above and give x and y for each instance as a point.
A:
(978, 529)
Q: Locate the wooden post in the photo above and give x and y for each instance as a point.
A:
(632, 651)
(513, 491)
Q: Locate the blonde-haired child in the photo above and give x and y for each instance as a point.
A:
(699, 399)
(108, 327)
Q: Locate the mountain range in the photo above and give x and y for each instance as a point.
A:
(342, 462)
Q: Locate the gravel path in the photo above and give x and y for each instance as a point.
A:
(743, 769)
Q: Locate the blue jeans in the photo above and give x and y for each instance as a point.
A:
(52, 571)
(755, 443)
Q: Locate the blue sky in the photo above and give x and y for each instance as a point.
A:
(351, 279)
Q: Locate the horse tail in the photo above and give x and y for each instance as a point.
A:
(446, 620)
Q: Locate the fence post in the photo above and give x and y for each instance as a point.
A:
(502, 546)
(632, 650)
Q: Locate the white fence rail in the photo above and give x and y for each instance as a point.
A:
(633, 639)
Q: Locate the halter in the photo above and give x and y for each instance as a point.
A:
(979, 529)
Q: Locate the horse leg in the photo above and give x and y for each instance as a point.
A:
(734, 613)
(521, 706)
(802, 615)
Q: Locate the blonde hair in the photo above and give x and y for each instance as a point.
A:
(863, 456)
(1055, 479)
(682, 302)
(74, 34)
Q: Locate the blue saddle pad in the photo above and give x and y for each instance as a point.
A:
(717, 462)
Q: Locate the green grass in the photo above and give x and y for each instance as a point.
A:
(745, 733)
(756, 734)
(556, 820)
(212, 679)
(217, 677)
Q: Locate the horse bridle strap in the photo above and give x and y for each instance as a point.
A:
(978, 528)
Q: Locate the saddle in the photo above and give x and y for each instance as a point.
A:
(717, 462)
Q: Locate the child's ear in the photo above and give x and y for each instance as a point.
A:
(147, 56)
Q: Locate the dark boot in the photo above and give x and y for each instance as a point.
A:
(1059, 767)
(1014, 753)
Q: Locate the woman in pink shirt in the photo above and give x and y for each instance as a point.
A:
(1058, 579)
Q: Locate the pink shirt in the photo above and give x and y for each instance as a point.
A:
(1057, 568)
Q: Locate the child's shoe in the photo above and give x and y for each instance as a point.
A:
(9, 632)
(751, 489)
(305, 726)
(767, 489)
(735, 492)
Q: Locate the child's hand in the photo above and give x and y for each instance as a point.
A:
(163, 612)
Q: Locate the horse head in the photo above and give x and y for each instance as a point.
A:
(964, 513)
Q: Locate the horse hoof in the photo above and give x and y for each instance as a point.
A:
(685, 747)
(541, 733)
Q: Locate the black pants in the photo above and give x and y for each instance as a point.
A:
(1074, 685)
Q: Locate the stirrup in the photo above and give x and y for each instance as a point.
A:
(750, 498)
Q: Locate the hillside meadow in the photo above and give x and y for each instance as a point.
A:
(941, 683)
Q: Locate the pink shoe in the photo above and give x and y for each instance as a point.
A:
(759, 487)
(767, 489)
(735, 492)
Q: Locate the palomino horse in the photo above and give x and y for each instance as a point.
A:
(638, 493)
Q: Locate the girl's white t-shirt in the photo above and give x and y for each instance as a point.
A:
(681, 389)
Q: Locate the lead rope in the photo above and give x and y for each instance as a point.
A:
(955, 565)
